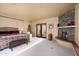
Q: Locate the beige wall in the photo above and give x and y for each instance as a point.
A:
(25, 25)
(53, 20)
(7, 22)
(77, 24)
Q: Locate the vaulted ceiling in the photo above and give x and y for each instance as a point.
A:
(36, 11)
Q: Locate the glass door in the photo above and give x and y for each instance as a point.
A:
(41, 30)
(38, 30)
(44, 30)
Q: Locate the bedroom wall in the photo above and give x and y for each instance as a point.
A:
(77, 24)
(25, 25)
(7, 22)
(53, 21)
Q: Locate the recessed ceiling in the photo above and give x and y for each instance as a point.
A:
(32, 11)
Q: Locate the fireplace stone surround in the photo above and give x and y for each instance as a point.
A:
(65, 30)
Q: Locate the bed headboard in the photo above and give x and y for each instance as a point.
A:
(8, 31)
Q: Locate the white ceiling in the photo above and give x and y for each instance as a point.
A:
(34, 11)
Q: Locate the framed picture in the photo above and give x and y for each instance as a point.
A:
(51, 26)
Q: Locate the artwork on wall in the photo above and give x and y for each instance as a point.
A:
(51, 26)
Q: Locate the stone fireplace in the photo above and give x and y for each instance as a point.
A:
(66, 26)
(67, 33)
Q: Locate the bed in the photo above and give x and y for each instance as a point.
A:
(10, 38)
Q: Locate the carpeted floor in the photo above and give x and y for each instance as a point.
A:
(48, 48)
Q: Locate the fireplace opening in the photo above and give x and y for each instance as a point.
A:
(64, 35)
